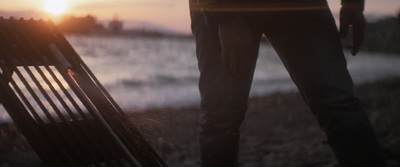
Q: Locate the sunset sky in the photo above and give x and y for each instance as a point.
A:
(172, 14)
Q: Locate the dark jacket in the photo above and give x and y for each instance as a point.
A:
(215, 11)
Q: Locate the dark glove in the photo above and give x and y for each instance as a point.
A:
(351, 14)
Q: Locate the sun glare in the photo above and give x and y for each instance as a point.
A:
(56, 6)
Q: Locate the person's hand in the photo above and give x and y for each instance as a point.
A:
(351, 15)
(236, 41)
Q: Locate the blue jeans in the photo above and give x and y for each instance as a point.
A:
(308, 44)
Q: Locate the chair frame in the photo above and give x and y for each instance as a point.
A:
(58, 104)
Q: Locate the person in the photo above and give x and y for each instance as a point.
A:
(305, 36)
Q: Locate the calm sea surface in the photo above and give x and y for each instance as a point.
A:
(142, 73)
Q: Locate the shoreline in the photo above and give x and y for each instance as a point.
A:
(279, 130)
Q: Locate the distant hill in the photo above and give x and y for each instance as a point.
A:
(147, 29)
(143, 25)
(383, 35)
(90, 25)
(82, 25)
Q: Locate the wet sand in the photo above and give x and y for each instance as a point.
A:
(279, 131)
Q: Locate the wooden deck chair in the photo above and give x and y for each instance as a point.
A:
(57, 103)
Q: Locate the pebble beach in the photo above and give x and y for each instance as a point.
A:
(279, 131)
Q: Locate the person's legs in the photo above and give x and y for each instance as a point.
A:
(309, 46)
(223, 98)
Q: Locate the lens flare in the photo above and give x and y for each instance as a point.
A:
(56, 6)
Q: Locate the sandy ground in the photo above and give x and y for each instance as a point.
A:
(279, 131)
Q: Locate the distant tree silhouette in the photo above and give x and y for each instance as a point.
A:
(115, 25)
(398, 17)
(72, 24)
(383, 35)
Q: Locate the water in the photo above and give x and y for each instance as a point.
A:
(142, 73)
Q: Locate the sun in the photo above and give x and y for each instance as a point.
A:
(56, 6)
